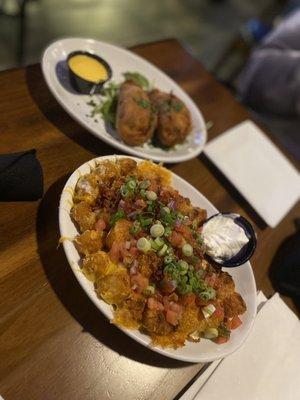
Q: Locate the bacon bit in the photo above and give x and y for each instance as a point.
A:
(153, 304)
(141, 281)
(100, 225)
(172, 317)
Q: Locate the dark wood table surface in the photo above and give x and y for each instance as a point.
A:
(54, 343)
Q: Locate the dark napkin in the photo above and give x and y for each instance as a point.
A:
(21, 177)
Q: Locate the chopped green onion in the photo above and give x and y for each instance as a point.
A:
(134, 229)
(154, 245)
(118, 215)
(150, 289)
(159, 241)
(211, 333)
(124, 191)
(157, 230)
(163, 250)
(143, 192)
(184, 266)
(187, 250)
(208, 294)
(166, 210)
(150, 207)
(195, 260)
(200, 273)
(131, 184)
(223, 331)
(168, 231)
(151, 195)
(168, 259)
(145, 184)
(143, 244)
(200, 240)
(146, 222)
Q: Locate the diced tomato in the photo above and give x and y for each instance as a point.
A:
(234, 323)
(133, 251)
(188, 299)
(219, 313)
(176, 239)
(140, 281)
(221, 340)
(153, 304)
(176, 307)
(115, 252)
(100, 225)
(184, 230)
(172, 317)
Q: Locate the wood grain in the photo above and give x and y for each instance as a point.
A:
(54, 343)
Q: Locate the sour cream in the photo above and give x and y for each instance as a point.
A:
(223, 238)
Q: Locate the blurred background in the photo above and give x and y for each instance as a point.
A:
(221, 33)
(210, 27)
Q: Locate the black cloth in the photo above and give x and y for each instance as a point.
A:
(21, 177)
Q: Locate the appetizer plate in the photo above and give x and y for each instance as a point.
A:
(56, 74)
(203, 351)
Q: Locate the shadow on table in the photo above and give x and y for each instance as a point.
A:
(233, 192)
(284, 271)
(55, 114)
(72, 295)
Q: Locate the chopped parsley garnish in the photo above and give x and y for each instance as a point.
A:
(176, 106)
(138, 79)
(142, 102)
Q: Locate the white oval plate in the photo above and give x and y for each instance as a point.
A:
(56, 75)
(205, 350)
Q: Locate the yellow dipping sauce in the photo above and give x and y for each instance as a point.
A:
(88, 68)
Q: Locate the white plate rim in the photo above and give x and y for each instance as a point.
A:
(98, 302)
(110, 140)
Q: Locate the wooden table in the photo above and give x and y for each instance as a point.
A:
(54, 343)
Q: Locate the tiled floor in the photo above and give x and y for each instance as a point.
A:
(207, 26)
